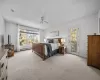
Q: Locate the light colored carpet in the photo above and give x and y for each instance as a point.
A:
(26, 65)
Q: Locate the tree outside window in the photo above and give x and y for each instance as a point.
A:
(28, 37)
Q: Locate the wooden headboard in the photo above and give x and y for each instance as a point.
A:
(59, 40)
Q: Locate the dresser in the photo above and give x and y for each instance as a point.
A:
(94, 51)
(3, 64)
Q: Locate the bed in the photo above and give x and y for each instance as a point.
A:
(45, 50)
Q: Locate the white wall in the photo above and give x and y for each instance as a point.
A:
(99, 22)
(11, 29)
(2, 26)
(42, 35)
(99, 14)
(87, 25)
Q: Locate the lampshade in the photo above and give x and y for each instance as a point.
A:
(45, 40)
(62, 40)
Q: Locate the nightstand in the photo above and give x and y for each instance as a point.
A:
(61, 49)
(11, 49)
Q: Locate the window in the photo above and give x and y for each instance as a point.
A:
(73, 32)
(28, 37)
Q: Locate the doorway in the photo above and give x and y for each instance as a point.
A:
(74, 41)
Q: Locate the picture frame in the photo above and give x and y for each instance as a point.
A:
(54, 33)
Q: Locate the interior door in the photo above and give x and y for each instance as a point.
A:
(96, 52)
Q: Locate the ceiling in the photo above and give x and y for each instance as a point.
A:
(57, 12)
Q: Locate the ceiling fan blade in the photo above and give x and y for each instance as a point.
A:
(46, 21)
(41, 22)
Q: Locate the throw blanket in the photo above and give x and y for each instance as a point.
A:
(49, 49)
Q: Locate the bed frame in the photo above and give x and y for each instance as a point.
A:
(39, 49)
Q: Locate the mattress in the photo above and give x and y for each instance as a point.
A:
(54, 46)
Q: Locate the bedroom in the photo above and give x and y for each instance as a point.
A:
(69, 21)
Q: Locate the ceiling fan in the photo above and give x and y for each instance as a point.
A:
(43, 20)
